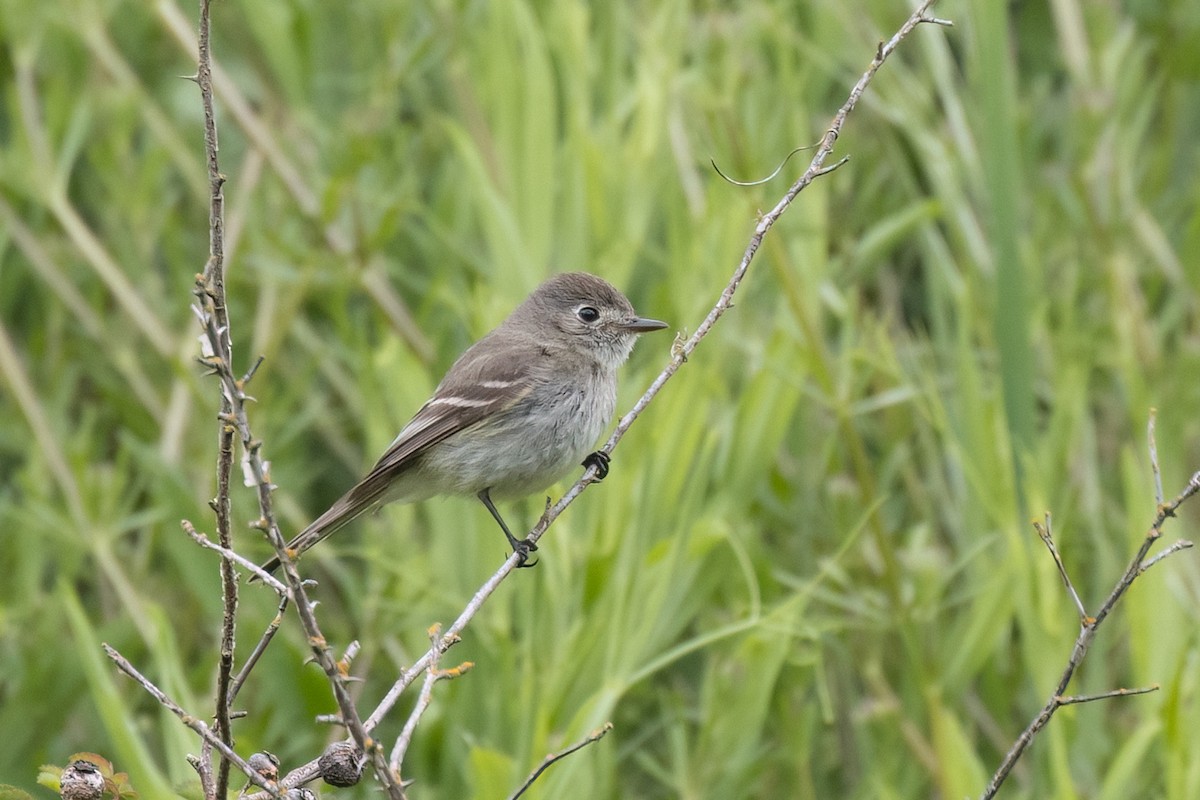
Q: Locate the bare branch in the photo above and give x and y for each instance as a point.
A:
(210, 309)
(680, 352)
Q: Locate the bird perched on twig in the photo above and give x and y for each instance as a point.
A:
(515, 413)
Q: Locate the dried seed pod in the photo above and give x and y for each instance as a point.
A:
(81, 781)
(341, 764)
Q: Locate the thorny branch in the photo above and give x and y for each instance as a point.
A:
(222, 346)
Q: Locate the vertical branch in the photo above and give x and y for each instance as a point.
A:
(214, 291)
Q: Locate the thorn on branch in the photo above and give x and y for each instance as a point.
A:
(212, 365)
(250, 372)
(331, 719)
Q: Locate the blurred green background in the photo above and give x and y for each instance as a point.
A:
(812, 571)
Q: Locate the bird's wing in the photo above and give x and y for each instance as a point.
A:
(453, 408)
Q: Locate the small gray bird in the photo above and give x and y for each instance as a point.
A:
(515, 413)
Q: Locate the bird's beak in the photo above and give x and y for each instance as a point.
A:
(643, 325)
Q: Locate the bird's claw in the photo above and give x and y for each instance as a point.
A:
(523, 547)
(600, 460)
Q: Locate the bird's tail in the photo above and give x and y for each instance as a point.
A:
(346, 509)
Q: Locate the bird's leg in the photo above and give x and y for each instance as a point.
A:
(522, 547)
(600, 460)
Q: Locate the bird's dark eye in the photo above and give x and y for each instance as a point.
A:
(587, 314)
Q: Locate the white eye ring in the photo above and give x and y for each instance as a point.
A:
(587, 313)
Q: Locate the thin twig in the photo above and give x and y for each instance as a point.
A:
(432, 676)
(423, 701)
(272, 628)
(210, 308)
(259, 649)
(262, 575)
(256, 471)
(193, 722)
(1043, 531)
(551, 759)
(1175, 547)
(1090, 698)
